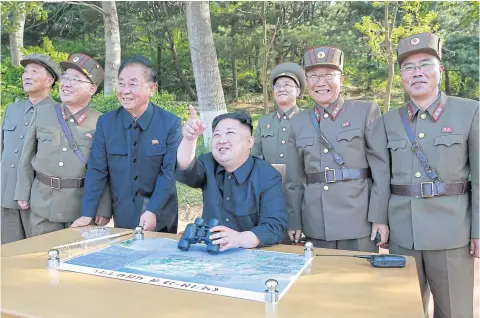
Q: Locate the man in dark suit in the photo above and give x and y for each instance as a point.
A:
(135, 148)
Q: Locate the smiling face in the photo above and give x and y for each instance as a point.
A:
(421, 76)
(75, 88)
(36, 78)
(324, 84)
(231, 143)
(285, 92)
(135, 89)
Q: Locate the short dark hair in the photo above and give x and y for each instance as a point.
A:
(243, 117)
(142, 60)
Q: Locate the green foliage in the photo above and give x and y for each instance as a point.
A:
(12, 9)
(47, 48)
(187, 195)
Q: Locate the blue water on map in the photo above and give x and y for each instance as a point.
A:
(243, 269)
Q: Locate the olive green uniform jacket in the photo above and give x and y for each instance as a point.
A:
(46, 150)
(344, 209)
(448, 136)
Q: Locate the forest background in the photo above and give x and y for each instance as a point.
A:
(249, 39)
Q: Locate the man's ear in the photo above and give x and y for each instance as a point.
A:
(93, 89)
(251, 142)
(152, 89)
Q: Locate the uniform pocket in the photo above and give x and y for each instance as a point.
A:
(448, 140)
(304, 142)
(395, 144)
(155, 150)
(44, 136)
(86, 142)
(268, 133)
(348, 135)
(117, 150)
(9, 127)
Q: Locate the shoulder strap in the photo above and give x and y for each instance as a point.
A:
(69, 136)
(416, 147)
(325, 142)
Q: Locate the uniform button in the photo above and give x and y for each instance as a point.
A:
(281, 155)
(421, 135)
(284, 129)
(229, 177)
(13, 165)
(227, 220)
(418, 174)
(60, 164)
(423, 116)
(72, 120)
(31, 110)
(227, 198)
(325, 188)
(21, 137)
(283, 141)
(16, 150)
(64, 149)
(325, 115)
(134, 160)
(325, 150)
(26, 124)
(284, 117)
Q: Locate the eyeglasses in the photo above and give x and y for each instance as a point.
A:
(426, 66)
(278, 87)
(317, 77)
(73, 81)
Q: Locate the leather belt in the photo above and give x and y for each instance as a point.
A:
(58, 183)
(431, 189)
(334, 175)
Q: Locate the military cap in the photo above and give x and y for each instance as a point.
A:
(46, 61)
(323, 56)
(291, 70)
(419, 43)
(85, 64)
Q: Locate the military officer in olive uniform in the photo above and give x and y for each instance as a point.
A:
(288, 82)
(433, 210)
(39, 76)
(57, 145)
(337, 163)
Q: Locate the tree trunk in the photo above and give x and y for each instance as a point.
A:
(159, 63)
(234, 61)
(16, 37)
(388, 91)
(257, 66)
(205, 65)
(447, 83)
(265, 61)
(178, 69)
(112, 47)
(461, 90)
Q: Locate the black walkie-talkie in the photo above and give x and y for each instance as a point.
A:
(385, 260)
(381, 261)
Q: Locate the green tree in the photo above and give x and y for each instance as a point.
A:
(400, 19)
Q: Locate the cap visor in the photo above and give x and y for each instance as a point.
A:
(66, 65)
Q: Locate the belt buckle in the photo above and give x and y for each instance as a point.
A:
(423, 193)
(52, 184)
(327, 180)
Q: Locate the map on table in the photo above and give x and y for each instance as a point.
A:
(237, 273)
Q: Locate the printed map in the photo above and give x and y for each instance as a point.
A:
(236, 273)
